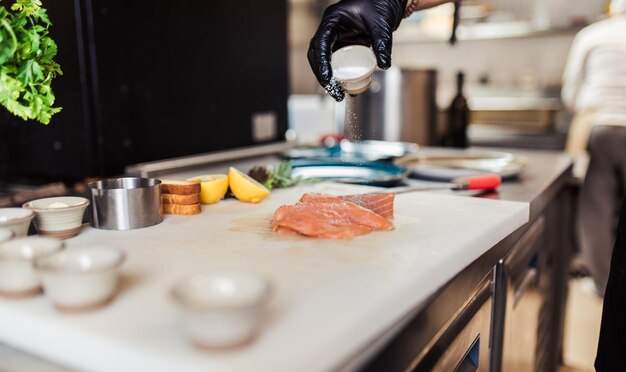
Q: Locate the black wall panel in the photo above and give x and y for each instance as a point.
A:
(161, 79)
(63, 148)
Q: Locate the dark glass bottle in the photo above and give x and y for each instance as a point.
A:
(458, 116)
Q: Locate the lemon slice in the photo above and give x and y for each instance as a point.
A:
(213, 187)
(245, 188)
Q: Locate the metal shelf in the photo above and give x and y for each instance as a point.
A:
(412, 32)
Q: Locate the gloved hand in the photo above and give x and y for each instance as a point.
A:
(348, 22)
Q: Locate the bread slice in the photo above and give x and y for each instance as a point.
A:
(180, 199)
(180, 187)
(183, 210)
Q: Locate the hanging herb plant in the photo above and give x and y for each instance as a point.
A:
(27, 65)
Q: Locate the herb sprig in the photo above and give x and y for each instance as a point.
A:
(278, 176)
(27, 65)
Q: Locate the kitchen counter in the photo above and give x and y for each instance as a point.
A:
(546, 176)
(546, 185)
(543, 169)
(546, 173)
(352, 290)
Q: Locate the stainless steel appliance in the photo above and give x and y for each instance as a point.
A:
(399, 106)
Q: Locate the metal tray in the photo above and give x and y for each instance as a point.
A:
(446, 164)
(364, 173)
(355, 151)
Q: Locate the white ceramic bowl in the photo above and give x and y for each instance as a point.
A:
(81, 279)
(5, 235)
(222, 309)
(17, 275)
(59, 217)
(16, 220)
(353, 66)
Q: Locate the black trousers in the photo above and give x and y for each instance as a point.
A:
(612, 348)
(600, 196)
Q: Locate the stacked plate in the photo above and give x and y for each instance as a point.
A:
(447, 164)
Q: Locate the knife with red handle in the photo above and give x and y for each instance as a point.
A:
(485, 183)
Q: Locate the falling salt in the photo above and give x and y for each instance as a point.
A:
(352, 123)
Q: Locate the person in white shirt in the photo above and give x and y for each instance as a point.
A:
(594, 87)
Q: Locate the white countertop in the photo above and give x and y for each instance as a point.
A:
(331, 300)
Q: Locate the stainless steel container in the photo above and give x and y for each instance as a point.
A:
(399, 106)
(125, 203)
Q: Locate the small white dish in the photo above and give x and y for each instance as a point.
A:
(353, 67)
(17, 275)
(222, 309)
(16, 219)
(59, 217)
(5, 235)
(81, 279)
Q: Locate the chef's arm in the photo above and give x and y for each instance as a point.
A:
(426, 4)
(574, 73)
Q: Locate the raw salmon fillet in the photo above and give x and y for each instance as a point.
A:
(329, 219)
(381, 204)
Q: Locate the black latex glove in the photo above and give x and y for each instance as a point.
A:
(349, 22)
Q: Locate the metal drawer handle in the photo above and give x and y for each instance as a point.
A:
(529, 278)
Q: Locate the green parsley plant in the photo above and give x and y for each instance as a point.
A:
(27, 65)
